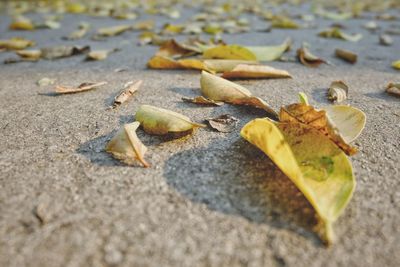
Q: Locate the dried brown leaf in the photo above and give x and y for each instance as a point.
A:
(129, 89)
(338, 91)
(224, 123)
(62, 51)
(255, 71)
(81, 88)
(393, 88)
(307, 58)
(346, 55)
(201, 100)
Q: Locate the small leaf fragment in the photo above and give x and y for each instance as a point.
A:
(255, 71)
(283, 22)
(393, 88)
(22, 23)
(127, 147)
(320, 170)
(201, 100)
(113, 30)
(339, 34)
(338, 91)
(29, 54)
(83, 29)
(81, 88)
(161, 121)
(145, 25)
(270, 53)
(223, 123)
(128, 90)
(99, 54)
(303, 98)
(45, 82)
(346, 55)
(307, 58)
(385, 39)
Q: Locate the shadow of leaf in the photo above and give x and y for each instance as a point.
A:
(241, 180)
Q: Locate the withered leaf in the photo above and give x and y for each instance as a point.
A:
(255, 71)
(201, 100)
(307, 58)
(396, 64)
(129, 89)
(83, 29)
(339, 34)
(158, 62)
(22, 23)
(45, 81)
(172, 48)
(113, 30)
(226, 65)
(393, 88)
(229, 52)
(29, 54)
(283, 22)
(100, 54)
(62, 51)
(220, 89)
(338, 91)
(224, 123)
(306, 114)
(81, 88)
(161, 121)
(127, 147)
(346, 55)
(145, 25)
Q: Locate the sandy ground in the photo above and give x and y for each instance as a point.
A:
(209, 199)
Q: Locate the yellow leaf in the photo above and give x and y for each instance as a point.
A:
(99, 54)
(158, 62)
(255, 71)
(172, 48)
(320, 170)
(283, 22)
(220, 89)
(114, 30)
(229, 52)
(126, 146)
(22, 23)
(161, 121)
(31, 54)
(16, 43)
(76, 8)
(83, 28)
(224, 65)
(306, 114)
(396, 64)
(338, 34)
(270, 53)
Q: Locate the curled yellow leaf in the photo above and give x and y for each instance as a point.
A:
(126, 146)
(255, 71)
(161, 121)
(320, 170)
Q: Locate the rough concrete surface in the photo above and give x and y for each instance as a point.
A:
(209, 199)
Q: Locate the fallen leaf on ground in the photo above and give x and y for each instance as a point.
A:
(224, 123)
(346, 55)
(83, 29)
(62, 51)
(224, 65)
(29, 54)
(201, 100)
(396, 64)
(339, 34)
(371, 26)
(113, 30)
(255, 71)
(338, 91)
(81, 88)
(230, 52)
(303, 98)
(307, 58)
(385, 39)
(16, 43)
(127, 147)
(220, 89)
(170, 29)
(320, 170)
(270, 53)
(347, 120)
(128, 90)
(332, 15)
(283, 22)
(393, 88)
(100, 54)
(145, 25)
(172, 48)
(22, 23)
(158, 62)
(161, 121)
(75, 8)
(306, 114)
(45, 81)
